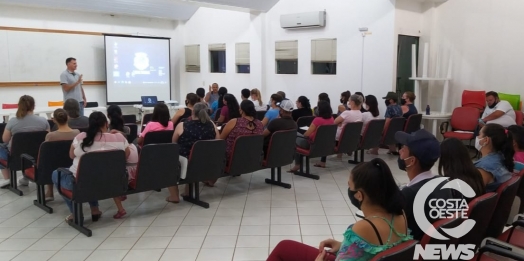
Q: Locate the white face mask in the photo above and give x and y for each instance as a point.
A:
(477, 143)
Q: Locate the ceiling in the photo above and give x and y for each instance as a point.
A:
(166, 9)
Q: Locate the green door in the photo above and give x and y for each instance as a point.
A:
(404, 62)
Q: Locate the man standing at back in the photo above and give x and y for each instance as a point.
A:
(72, 84)
(420, 150)
(212, 95)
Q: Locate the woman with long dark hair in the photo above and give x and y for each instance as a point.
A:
(322, 97)
(455, 163)
(191, 100)
(303, 108)
(372, 113)
(517, 134)
(97, 138)
(160, 121)
(344, 99)
(372, 189)
(218, 104)
(230, 110)
(116, 121)
(496, 148)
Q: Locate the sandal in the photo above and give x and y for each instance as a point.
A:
(120, 214)
(69, 219)
(96, 217)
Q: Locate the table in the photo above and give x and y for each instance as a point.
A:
(435, 117)
(147, 110)
(47, 111)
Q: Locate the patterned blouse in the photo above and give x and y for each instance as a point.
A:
(243, 127)
(393, 111)
(355, 248)
(195, 130)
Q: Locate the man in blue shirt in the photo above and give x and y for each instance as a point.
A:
(273, 111)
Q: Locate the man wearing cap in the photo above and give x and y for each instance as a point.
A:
(420, 150)
(285, 122)
(393, 110)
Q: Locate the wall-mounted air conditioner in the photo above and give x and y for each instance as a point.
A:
(303, 20)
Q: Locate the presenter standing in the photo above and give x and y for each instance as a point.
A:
(72, 84)
(212, 95)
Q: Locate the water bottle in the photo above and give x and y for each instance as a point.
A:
(427, 110)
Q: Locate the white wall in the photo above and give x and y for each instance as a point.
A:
(79, 21)
(485, 37)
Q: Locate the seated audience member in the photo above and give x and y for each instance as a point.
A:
(256, 98)
(64, 132)
(230, 110)
(322, 97)
(371, 113)
(218, 104)
(283, 95)
(304, 141)
(420, 150)
(160, 121)
(245, 94)
(393, 110)
(362, 109)
(303, 108)
(344, 99)
(25, 121)
(201, 93)
(213, 94)
(198, 127)
(97, 138)
(496, 148)
(75, 121)
(517, 133)
(273, 112)
(351, 115)
(499, 112)
(455, 163)
(191, 100)
(116, 121)
(371, 188)
(408, 108)
(285, 122)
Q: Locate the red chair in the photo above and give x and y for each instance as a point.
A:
(9, 106)
(439, 225)
(505, 196)
(464, 122)
(519, 117)
(474, 99)
(481, 210)
(404, 251)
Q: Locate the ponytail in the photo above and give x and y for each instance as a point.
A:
(259, 96)
(114, 112)
(509, 152)
(200, 112)
(97, 120)
(26, 104)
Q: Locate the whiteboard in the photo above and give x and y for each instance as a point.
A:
(40, 56)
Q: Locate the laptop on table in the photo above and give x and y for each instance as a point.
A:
(149, 101)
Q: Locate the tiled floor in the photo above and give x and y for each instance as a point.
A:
(245, 221)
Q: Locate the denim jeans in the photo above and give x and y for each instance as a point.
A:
(3, 155)
(81, 104)
(66, 182)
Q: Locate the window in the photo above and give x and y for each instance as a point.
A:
(193, 58)
(217, 58)
(242, 60)
(324, 56)
(286, 56)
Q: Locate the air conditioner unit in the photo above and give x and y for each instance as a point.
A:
(303, 20)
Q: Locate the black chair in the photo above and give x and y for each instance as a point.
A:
(51, 124)
(92, 104)
(146, 119)
(217, 115)
(324, 145)
(303, 122)
(370, 139)
(82, 129)
(2, 128)
(158, 137)
(52, 155)
(403, 251)
(129, 119)
(395, 125)
(349, 138)
(22, 143)
(413, 123)
(260, 115)
(506, 195)
(439, 226)
(204, 163)
(246, 156)
(133, 132)
(100, 175)
(480, 210)
(280, 152)
(334, 115)
(158, 168)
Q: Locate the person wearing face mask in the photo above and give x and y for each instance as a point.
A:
(363, 107)
(285, 122)
(371, 188)
(408, 108)
(497, 152)
(191, 100)
(499, 112)
(420, 150)
(393, 110)
(344, 99)
(517, 134)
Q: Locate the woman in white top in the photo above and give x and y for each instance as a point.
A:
(256, 98)
(95, 139)
(371, 114)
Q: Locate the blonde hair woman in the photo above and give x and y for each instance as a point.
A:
(256, 98)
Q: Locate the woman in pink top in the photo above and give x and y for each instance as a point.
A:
(160, 121)
(325, 117)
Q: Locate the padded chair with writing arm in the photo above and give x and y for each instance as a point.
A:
(439, 225)
(474, 99)
(246, 156)
(51, 156)
(403, 251)
(324, 145)
(217, 114)
(349, 137)
(146, 119)
(370, 139)
(480, 210)
(158, 137)
(22, 143)
(260, 115)
(280, 152)
(303, 122)
(204, 163)
(394, 125)
(413, 123)
(464, 122)
(133, 132)
(129, 119)
(506, 194)
(100, 175)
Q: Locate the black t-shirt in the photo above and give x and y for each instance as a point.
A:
(279, 124)
(302, 112)
(409, 197)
